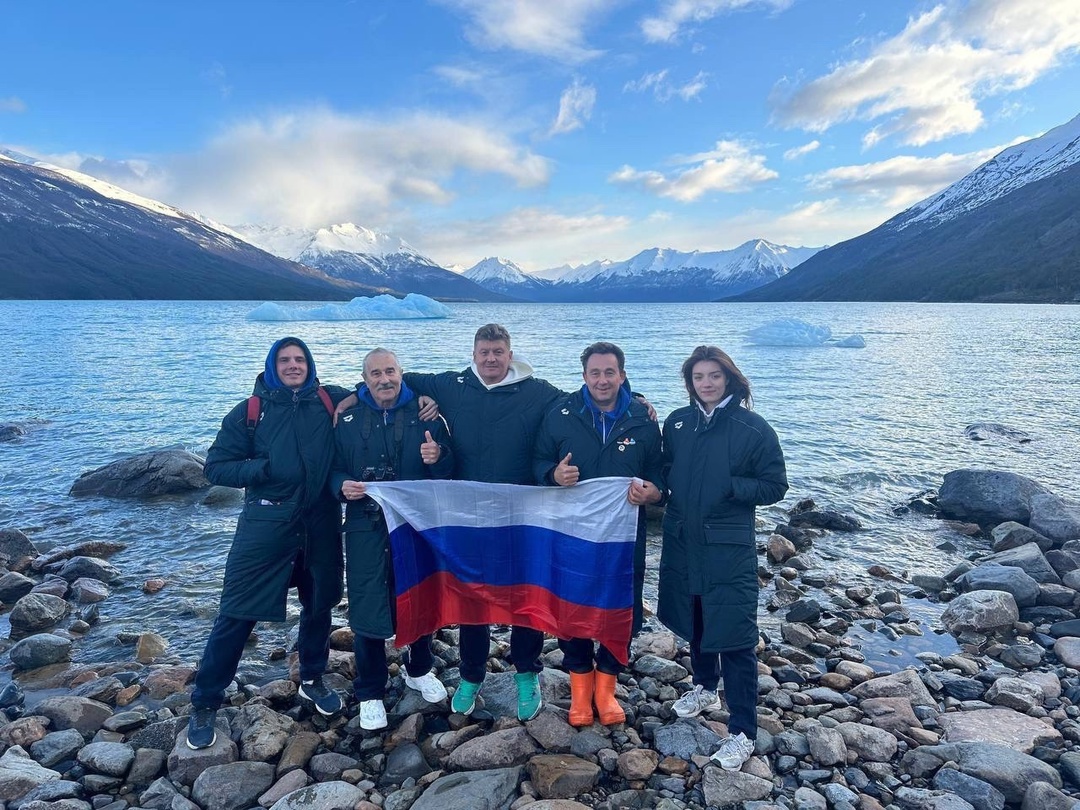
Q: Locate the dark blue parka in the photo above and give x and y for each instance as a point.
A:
(288, 512)
(493, 429)
(631, 449)
(369, 437)
(716, 471)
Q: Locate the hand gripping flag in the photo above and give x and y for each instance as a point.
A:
(557, 559)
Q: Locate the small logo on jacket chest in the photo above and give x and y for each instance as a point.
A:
(348, 418)
(678, 425)
(460, 379)
(624, 443)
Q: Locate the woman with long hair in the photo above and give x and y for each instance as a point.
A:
(721, 460)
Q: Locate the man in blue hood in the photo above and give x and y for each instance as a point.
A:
(287, 535)
(382, 439)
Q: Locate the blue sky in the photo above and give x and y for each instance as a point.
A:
(545, 131)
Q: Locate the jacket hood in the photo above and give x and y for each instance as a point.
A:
(520, 369)
(405, 395)
(269, 375)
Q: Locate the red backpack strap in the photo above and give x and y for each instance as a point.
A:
(254, 405)
(326, 401)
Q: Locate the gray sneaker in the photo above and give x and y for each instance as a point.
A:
(733, 752)
(695, 702)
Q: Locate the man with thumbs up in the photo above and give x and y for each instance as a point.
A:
(601, 430)
(382, 438)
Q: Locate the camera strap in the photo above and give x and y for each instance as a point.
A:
(393, 452)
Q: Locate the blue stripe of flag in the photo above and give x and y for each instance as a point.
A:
(598, 575)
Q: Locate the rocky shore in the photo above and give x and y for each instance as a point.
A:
(995, 723)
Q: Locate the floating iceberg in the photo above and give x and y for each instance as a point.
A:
(379, 308)
(794, 332)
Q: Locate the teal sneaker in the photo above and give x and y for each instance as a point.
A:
(528, 695)
(465, 697)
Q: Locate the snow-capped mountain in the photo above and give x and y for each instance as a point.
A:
(1007, 231)
(657, 274)
(502, 275)
(353, 253)
(64, 234)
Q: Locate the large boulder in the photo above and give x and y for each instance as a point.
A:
(1001, 726)
(1007, 769)
(15, 545)
(493, 789)
(69, 711)
(1029, 559)
(232, 786)
(80, 567)
(19, 774)
(1054, 518)
(40, 650)
(14, 586)
(980, 612)
(324, 796)
(37, 611)
(988, 496)
(998, 577)
(146, 475)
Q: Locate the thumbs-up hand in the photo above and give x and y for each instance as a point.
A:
(430, 450)
(565, 474)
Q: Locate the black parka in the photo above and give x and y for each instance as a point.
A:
(716, 472)
(283, 467)
(370, 438)
(632, 450)
(493, 429)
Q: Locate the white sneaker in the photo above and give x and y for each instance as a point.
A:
(427, 685)
(372, 715)
(733, 752)
(695, 702)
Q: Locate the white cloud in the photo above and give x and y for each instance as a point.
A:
(575, 108)
(215, 75)
(542, 235)
(676, 15)
(665, 90)
(798, 151)
(927, 83)
(551, 28)
(903, 180)
(12, 104)
(318, 167)
(730, 167)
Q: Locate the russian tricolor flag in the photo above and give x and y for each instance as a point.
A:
(557, 559)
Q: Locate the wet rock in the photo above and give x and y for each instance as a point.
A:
(996, 577)
(14, 545)
(1041, 796)
(685, 738)
(868, 742)
(185, 764)
(87, 590)
(722, 788)
(906, 683)
(40, 650)
(805, 611)
(659, 668)
(779, 549)
(403, 762)
(984, 431)
(109, 758)
(825, 519)
(57, 746)
(551, 731)
(37, 611)
(153, 585)
(477, 790)
(90, 548)
(89, 568)
(324, 796)
(561, 776)
(495, 750)
(149, 647)
(68, 711)
(166, 681)
(19, 774)
(980, 612)
(1055, 519)
(52, 585)
(987, 496)
(1067, 650)
(1011, 534)
(637, 763)
(298, 752)
(1022, 656)
(1028, 559)
(233, 786)
(146, 475)
(981, 795)
(14, 586)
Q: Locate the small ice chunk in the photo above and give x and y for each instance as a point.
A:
(789, 332)
(378, 308)
(851, 342)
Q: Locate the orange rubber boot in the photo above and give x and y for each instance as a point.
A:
(581, 697)
(604, 695)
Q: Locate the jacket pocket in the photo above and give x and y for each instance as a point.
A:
(728, 534)
(260, 510)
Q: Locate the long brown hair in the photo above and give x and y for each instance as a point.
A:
(736, 383)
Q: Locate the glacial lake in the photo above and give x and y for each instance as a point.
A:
(862, 429)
